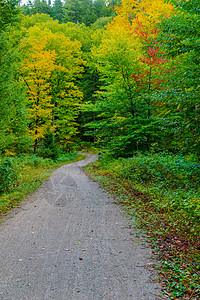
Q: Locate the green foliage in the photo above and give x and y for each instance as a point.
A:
(13, 114)
(101, 23)
(58, 11)
(32, 161)
(76, 11)
(8, 13)
(180, 36)
(8, 175)
(174, 180)
(67, 157)
(166, 210)
(37, 7)
(30, 21)
(122, 121)
(23, 174)
(166, 170)
(86, 11)
(49, 149)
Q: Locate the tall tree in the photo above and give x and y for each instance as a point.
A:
(101, 10)
(37, 69)
(52, 66)
(58, 12)
(37, 6)
(66, 95)
(181, 36)
(78, 11)
(124, 119)
(8, 12)
(12, 104)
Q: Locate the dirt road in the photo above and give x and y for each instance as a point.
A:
(70, 241)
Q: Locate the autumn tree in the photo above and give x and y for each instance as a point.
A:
(125, 122)
(52, 66)
(37, 69)
(66, 95)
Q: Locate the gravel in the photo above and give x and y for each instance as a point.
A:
(70, 241)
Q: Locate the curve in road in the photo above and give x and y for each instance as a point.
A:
(70, 241)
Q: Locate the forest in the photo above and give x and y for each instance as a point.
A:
(120, 78)
(123, 77)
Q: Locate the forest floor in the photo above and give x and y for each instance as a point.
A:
(69, 240)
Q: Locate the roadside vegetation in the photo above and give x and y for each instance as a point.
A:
(121, 76)
(161, 193)
(20, 176)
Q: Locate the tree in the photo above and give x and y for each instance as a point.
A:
(124, 112)
(12, 104)
(101, 10)
(58, 12)
(66, 95)
(37, 6)
(52, 66)
(27, 8)
(116, 106)
(37, 69)
(85, 11)
(180, 37)
(77, 11)
(8, 12)
(30, 21)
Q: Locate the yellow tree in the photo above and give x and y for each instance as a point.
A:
(141, 18)
(148, 12)
(51, 68)
(66, 95)
(125, 51)
(37, 68)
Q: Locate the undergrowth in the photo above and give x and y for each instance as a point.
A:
(161, 193)
(19, 176)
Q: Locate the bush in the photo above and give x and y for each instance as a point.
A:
(35, 161)
(170, 171)
(49, 149)
(8, 175)
(65, 157)
(172, 180)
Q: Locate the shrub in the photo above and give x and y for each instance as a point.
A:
(8, 175)
(49, 149)
(35, 161)
(163, 169)
(172, 180)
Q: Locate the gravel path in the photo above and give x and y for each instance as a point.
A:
(70, 241)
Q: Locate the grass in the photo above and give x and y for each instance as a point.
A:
(162, 196)
(31, 172)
